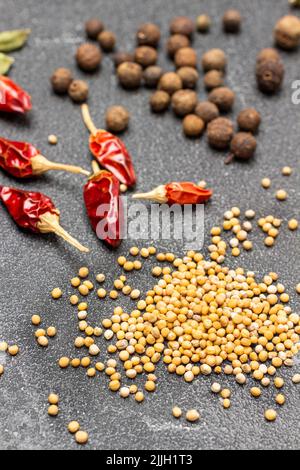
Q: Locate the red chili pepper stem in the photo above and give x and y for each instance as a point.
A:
(41, 164)
(88, 120)
(156, 195)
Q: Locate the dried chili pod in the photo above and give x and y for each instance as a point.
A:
(35, 212)
(23, 160)
(177, 193)
(109, 151)
(101, 196)
(13, 99)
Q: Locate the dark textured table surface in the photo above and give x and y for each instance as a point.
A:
(31, 266)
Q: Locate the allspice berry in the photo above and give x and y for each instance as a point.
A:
(78, 91)
(160, 101)
(107, 40)
(189, 76)
(93, 28)
(268, 53)
(193, 126)
(176, 42)
(223, 98)
(243, 145)
(232, 20)
(186, 57)
(287, 32)
(207, 111)
(88, 57)
(269, 76)
(130, 75)
(170, 82)
(215, 59)
(148, 34)
(116, 119)
(203, 23)
(213, 79)
(249, 120)
(145, 56)
(182, 25)
(220, 132)
(61, 80)
(120, 57)
(184, 102)
(152, 76)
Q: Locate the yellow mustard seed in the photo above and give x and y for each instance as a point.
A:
(74, 300)
(3, 346)
(13, 350)
(134, 251)
(296, 379)
(226, 403)
(100, 278)
(255, 392)
(280, 399)
(150, 386)
(43, 341)
(53, 410)
(121, 260)
(247, 245)
(51, 331)
(73, 427)
(137, 265)
(152, 250)
(144, 252)
(1, 369)
(113, 294)
(128, 266)
(99, 366)
(53, 399)
(75, 282)
(139, 397)
(91, 372)
(192, 416)
(278, 382)
(64, 362)
(270, 415)
(56, 293)
(269, 241)
(177, 412)
(88, 284)
(123, 188)
(75, 362)
(83, 272)
(286, 171)
(293, 224)
(266, 183)
(83, 306)
(281, 195)
(81, 437)
(101, 293)
(156, 271)
(85, 362)
(83, 290)
(52, 139)
(35, 320)
(235, 252)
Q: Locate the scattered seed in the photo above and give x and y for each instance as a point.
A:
(192, 416)
(56, 293)
(270, 415)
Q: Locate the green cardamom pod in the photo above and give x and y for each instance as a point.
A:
(12, 40)
(5, 63)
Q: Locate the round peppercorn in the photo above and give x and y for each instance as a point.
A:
(93, 27)
(129, 75)
(207, 111)
(223, 98)
(269, 76)
(78, 91)
(145, 56)
(182, 25)
(107, 40)
(186, 57)
(61, 80)
(268, 53)
(232, 21)
(203, 23)
(249, 120)
(287, 32)
(215, 59)
(243, 145)
(120, 57)
(193, 126)
(152, 75)
(189, 76)
(184, 102)
(117, 119)
(176, 42)
(213, 79)
(170, 82)
(148, 34)
(160, 101)
(220, 132)
(88, 57)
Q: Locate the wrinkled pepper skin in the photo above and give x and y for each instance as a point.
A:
(111, 153)
(13, 99)
(15, 157)
(186, 193)
(103, 189)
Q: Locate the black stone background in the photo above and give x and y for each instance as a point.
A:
(31, 265)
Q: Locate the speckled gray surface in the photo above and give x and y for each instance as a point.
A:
(31, 266)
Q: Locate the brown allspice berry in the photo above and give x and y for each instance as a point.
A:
(184, 102)
(116, 119)
(78, 91)
(93, 27)
(122, 56)
(152, 76)
(207, 111)
(203, 23)
(287, 32)
(186, 57)
(220, 132)
(148, 34)
(249, 120)
(182, 25)
(269, 76)
(61, 79)
(213, 79)
(223, 98)
(107, 40)
(130, 75)
(88, 57)
(214, 59)
(193, 126)
(232, 20)
(242, 147)
(170, 82)
(189, 76)
(160, 101)
(145, 56)
(268, 53)
(176, 42)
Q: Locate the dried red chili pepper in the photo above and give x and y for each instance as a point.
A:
(23, 160)
(104, 207)
(35, 212)
(177, 193)
(109, 151)
(13, 99)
